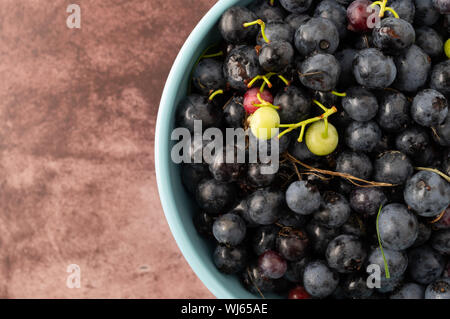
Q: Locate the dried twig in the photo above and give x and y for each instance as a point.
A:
(254, 284)
(436, 171)
(318, 176)
(296, 171)
(350, 178)
(309, 74)
(439, 217)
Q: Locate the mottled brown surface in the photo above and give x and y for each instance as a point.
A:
(77, 181)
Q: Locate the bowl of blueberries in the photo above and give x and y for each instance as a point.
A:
(302, 149)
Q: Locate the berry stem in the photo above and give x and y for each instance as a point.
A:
(214, 94)
(264, 102)
(272, 2)
(393, 12)
(383, 8)
(198, 60)
(258, 95)
(436, 171)
(343, 94)
(262, 25)
(321, 105)
(303, 124)
(206, 56)
(266, 80)
(256, 78)
(325, 134)
(282, 78)
(386, 267)
(439, 217)
(302, 133)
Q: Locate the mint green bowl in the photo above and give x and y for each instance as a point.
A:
(179, 207)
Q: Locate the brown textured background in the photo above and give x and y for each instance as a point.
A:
(77, 182)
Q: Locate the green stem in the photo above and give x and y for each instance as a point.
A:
(262, 25)
(386, 267)
(206, 56)
(267, 81)
(325, 133)
(302, 133)
(339, 94)
(384, 8)
(282, 78)
(321, 105)
(265, 78)
(256, 78)
(264, 102)
(393, 12)
(214, 94)
(303, 124)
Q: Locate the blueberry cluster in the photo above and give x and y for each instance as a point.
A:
(367, 85)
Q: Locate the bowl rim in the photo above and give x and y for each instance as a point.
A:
(162, 157)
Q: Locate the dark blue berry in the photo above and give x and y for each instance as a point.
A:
(373, 69)
(427, 193)
(230, 260)
(229, 229)
(319, 280)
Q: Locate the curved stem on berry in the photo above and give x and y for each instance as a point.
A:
(202, 56)
(436, 171)
(343, 94)
(204, 53)
(256, 78)
(384, 8)
(439, 217)
(393, 12)
(214, 94)
(264, 102)
(258, 95)
(303, 124)
(386, 267)
(320, 105)
(266, 80)
(263, 85)
(206, 56)
(282, 78)
(262, 25)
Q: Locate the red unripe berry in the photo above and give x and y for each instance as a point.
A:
(299, 293)
(272, 265)
(251, 98)
(358, 14)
